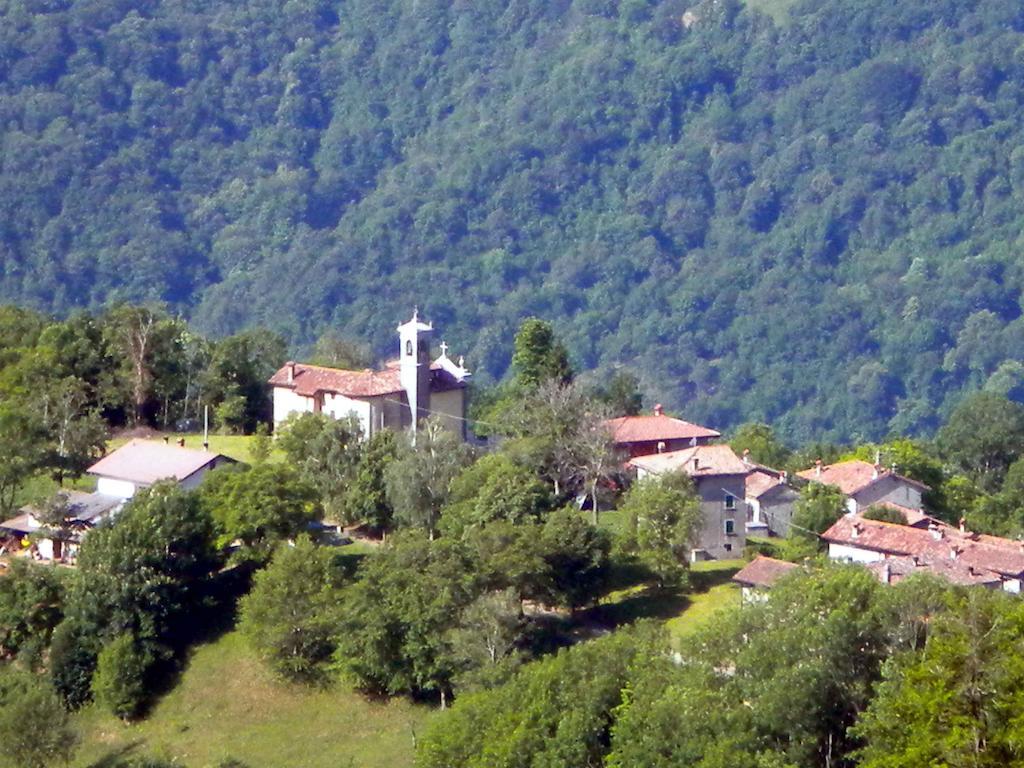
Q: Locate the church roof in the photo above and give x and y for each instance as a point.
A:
(307, 380)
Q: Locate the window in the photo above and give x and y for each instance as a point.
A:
(727, 547)
(730, 501)
(408, 347)
(730, 527)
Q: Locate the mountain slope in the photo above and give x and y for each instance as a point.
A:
(814, 223)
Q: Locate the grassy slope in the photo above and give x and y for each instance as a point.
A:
(227, 705)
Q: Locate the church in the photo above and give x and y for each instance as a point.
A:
(407, 390)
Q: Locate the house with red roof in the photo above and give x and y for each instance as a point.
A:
(758, 576)
(894, 551)
(398, 397)
(865, 484)
(644, 435)
(718, 476)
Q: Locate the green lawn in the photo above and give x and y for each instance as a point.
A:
(227, 705)
(712, 592)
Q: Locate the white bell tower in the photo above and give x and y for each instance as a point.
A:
(414, 368)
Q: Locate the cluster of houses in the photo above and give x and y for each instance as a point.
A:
(737, 496)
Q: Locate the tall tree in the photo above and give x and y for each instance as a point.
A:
(290, 614)
(665, 515)
(419, 480)
(983, 437)
(538, 356)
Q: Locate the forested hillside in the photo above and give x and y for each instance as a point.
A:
(811, 221)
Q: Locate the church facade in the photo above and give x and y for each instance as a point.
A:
(406, 391)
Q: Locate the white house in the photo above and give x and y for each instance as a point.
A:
(893, 551)
(398, 397)
(140, 463)
(83, 511)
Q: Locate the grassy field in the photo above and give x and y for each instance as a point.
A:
(227, 705)
(712, 592)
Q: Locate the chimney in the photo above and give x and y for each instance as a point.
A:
(875, 471)
(855, 531)
(886, 574)
(746, 455)
(696, 463)
(817, 468)
(954, 553)
(915, 560)
(935, 531)
(658, 410)
(290, 365)
(963, 525)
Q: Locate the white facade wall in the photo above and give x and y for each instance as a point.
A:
(287, 402)
(851, 554)
(338, 407)
(122, 489)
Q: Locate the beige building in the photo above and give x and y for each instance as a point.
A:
(406, 391)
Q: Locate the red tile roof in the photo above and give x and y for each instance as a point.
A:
(853, 476)
(894, 569)
(914, 517)
(699, 461)
(146, 461)
(763, 572)
(987, 553)
(761, 480)
(310, 379)
(657, 428)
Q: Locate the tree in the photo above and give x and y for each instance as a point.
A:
(762, 443)
(76, 436)
(595, 459)
(392, 635)
(665, 515)
(235, 380)
(576, 554)
(328, 453)
(419, 479)
(119, 684)
(538, 356)
(494, 488)
(983, 437)
(139, 577)
(143, 338)
(21, 452)
(557, 711)
(485, 642)
(35, 729)
(31, 607)
(621, 394)
(953, 702)
(818, 507)
(335, 351)
(260, 506)
(366, 499)
(290, 614)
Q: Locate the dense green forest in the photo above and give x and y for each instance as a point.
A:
(810, 221)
